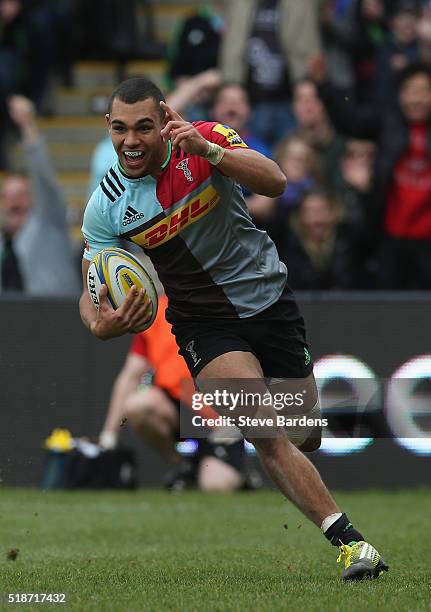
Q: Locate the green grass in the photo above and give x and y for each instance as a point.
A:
(155, 551)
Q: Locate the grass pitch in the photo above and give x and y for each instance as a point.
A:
(248, 551)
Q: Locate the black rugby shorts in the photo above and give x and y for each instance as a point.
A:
(276, 336)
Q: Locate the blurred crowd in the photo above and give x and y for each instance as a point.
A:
(338, 92)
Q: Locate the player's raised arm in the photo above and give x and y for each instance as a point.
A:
(249, 168)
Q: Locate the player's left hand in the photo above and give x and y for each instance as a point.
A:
(182, 133)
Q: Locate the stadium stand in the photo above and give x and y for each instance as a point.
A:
(354, 35)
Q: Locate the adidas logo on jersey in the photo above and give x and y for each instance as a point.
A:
(131, 216)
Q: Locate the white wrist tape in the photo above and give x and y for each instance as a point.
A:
(215, 154)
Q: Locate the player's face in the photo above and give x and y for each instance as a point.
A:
(135, 132)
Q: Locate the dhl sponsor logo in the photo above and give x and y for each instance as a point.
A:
(170, 226)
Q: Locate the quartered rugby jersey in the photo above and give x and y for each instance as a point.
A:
(194, 225)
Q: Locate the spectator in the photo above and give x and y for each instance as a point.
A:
(314, 126)
(338, 30)
(369, 35)
(194, 47)
(13, 60)
(231, 106)
(265, 48)
(317, 251)
(299, 163)
(193, 96)
(401, 49)
(424, 30)
(402, 173)
(36, 252)
(27, 35)
(354, 182)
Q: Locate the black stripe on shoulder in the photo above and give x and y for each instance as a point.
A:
(112, 186)
(116, 178)
(106, 192)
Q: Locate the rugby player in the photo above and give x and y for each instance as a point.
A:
(175, 191)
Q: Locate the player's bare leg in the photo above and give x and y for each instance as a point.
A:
(297, 478)
(155, 419)
(290, 470)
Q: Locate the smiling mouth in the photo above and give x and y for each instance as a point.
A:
(133, 155)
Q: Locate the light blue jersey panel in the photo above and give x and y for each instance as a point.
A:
(118, 206)
(97, 228)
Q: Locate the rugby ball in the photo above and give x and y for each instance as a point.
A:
(119, 271)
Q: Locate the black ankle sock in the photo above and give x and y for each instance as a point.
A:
(342, 532)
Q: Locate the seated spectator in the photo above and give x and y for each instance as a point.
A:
(298, 161)
(401, 49)
(317, 251)
(34, 237)
(402, 186)
(153, 411)
(265, 49)
(315, 127)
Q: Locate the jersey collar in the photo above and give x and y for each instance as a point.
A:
(168, 156)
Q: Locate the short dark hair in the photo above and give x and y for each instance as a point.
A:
(135, 90)
(413, 70)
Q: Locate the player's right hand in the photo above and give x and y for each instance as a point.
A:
(133, 312)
